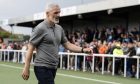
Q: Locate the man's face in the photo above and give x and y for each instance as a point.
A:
(54, 14)
(130, 45)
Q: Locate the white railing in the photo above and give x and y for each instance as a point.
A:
(15, 54)
(5, 56)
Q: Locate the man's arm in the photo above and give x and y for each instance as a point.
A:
(26, 72)
(75, 48)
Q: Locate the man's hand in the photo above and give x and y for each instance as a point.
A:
(25, 74)
(88, 50)
(29, 54)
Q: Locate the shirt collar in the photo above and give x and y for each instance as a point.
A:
(48, 25)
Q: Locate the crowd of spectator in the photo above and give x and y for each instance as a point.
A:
(14, 46)
(116, 41)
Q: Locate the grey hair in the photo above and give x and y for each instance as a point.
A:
(49, 7)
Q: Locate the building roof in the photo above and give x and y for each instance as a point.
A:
(2, 30)
(74, 10)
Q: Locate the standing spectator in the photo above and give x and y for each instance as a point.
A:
(131, 63)
(111, 47)
(118, 51)
(11, 53)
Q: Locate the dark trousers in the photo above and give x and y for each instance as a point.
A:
(45, 75)
(117, 66)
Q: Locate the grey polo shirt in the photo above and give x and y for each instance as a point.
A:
(47, 40)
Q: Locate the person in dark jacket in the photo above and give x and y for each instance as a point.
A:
(131, 63)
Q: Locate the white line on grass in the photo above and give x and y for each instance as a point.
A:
(72, 76)
(101, 81)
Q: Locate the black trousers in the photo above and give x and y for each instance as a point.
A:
(117, 66)
(45, 75)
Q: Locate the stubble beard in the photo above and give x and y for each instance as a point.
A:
(56, 21)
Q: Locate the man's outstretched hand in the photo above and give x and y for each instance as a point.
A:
(88, 50)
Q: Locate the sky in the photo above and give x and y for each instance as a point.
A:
(18, 30)
(20, 8)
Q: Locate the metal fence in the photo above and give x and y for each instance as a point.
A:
(17, 55)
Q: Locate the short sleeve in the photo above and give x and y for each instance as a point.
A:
(36, 36)
(64, 38)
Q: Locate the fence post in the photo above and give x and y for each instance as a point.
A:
(18, 56)
(4, 56)
(113, 66)
(61, 61)
(125, 63)
(103, 60)
(14, 59)
(75, 62)
(84, 63)
(138, 67)
(68, 61)
(8, 56)
(93, 63)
